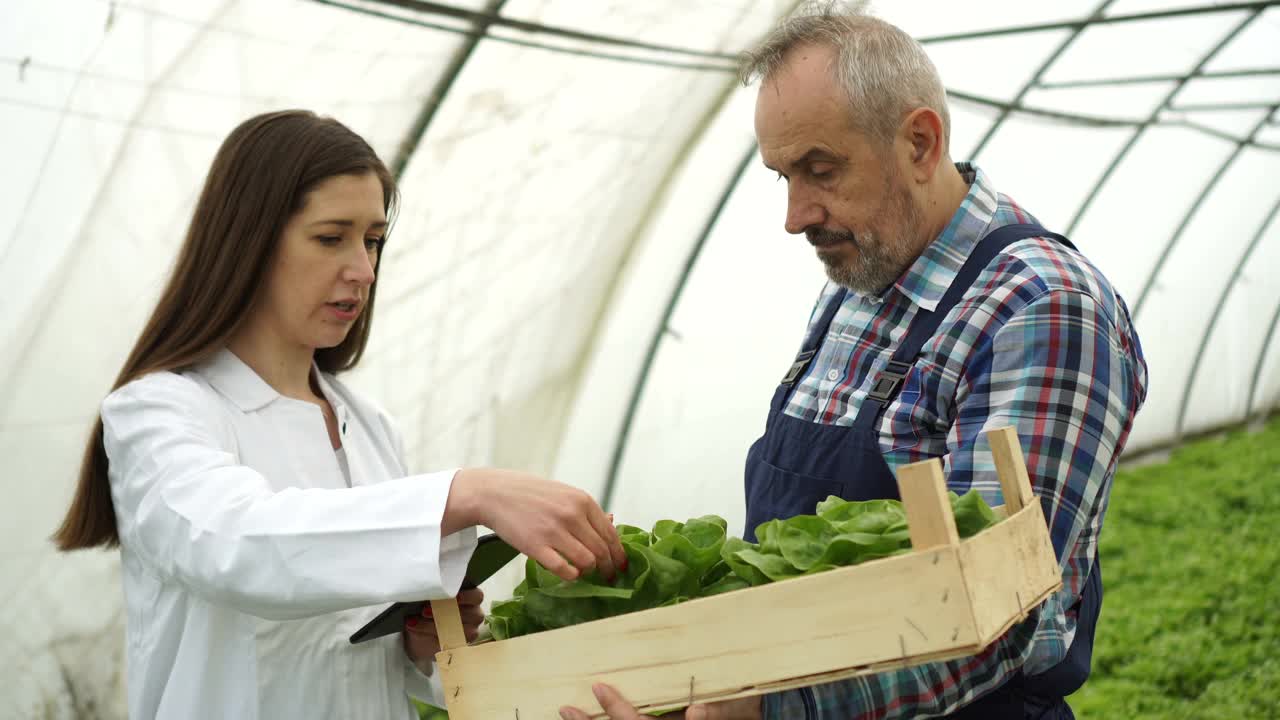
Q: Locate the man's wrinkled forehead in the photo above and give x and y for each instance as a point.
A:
(800, 108)
(806, 71)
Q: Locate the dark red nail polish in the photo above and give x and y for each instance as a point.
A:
(412, 622)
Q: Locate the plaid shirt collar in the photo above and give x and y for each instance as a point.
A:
(931, 274)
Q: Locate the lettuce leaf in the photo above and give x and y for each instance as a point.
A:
(679, 561)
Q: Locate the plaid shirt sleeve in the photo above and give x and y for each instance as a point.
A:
(1070, 378)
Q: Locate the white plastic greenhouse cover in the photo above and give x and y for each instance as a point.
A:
(589, 276)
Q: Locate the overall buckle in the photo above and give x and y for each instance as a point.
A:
(889, 381)
(798, 367)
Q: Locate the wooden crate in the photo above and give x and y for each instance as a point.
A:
(945, 599)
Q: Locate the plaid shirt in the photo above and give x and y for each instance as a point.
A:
(1041, 342)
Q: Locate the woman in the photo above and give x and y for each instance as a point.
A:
(260, 505)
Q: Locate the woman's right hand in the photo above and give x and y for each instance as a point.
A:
(560, 526)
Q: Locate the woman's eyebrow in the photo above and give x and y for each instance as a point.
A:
(348, 223)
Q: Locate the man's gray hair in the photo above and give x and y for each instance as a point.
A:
(884, 71)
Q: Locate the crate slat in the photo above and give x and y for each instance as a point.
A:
(1009, 569)
(882, 611)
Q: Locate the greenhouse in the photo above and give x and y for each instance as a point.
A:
(588, 276)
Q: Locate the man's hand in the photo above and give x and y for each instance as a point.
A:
(422, 642)
(618, 708)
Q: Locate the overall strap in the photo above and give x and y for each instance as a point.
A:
(926, 323)
(813, 340)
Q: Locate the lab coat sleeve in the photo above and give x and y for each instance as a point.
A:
(196, 516)
(455, 549)
(455, 553)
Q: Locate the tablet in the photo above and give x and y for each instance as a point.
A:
(491, 555)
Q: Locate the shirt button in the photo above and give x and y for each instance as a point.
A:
(833, 374)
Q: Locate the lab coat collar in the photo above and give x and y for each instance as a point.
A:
(236, 380)
(229, 375)
(329, 392)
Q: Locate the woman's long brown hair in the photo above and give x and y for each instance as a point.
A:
(260, 177)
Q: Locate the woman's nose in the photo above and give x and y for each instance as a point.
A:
(360, 269)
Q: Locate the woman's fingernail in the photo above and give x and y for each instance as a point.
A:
(412, 622)
(564, 714)
(426, 611)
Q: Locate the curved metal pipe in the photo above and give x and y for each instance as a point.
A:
(1217, 314)
(637, 393)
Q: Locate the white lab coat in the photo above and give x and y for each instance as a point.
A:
(247, 561)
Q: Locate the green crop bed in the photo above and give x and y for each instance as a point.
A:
(1190, 625)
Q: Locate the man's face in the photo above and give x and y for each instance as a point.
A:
(845, 192)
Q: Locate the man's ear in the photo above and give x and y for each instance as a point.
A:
(922, 130)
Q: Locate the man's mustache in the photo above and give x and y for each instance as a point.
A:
(822, 237)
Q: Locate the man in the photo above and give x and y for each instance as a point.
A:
(949, 312)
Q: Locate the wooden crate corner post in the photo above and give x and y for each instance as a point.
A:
(448, 623)
(924, 497)
(448, 619)
(1015, 484)
(1011, 567)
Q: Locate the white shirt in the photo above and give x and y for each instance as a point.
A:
(247, 562)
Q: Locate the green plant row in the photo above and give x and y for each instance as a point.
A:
(1190, 626)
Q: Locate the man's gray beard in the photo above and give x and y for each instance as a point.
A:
(880, 261)
(873, 270)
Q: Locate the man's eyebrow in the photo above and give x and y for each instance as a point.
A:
(813, 155)
(817, 154)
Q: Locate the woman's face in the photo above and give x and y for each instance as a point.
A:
(319, 281)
